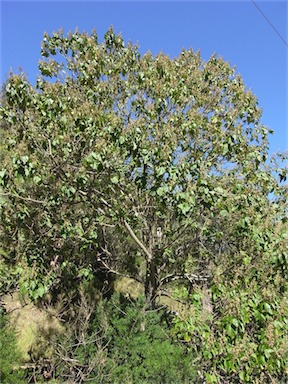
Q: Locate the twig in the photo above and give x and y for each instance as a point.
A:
(109, 269)
(24, 198)
(183, 276)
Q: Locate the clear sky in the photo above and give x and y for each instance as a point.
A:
(235, 30)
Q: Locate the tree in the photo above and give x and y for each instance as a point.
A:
(118, 163)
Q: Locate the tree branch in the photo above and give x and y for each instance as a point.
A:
(110, 270)
(24, 198)
(137, 241)
(183, 276)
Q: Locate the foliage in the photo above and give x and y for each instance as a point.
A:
(126, 343)
(127, 164)
(156, 169)
(245, 339)
(141, 345)
(10, 356)
(8, 277)
(79, 354)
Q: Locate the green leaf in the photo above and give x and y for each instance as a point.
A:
(242, 375)
(224, 213)
(268, 308)
(184, 207)
(219, 190)
(187, 337)
(114, 179)
(211, 378)
(161, 191)
(268, 352)
(225, 149)
(85, 272)
(246, 260)
(235, 322)
(230, 331)
(2, 174)
(40, 292)
(3, 253)
(37, 179)
(161, 171)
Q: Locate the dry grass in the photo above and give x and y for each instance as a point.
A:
(31, 324)
(130, 287)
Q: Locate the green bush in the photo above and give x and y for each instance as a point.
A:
(125, 343)
(246, 340)
(9, 356)
(140, 345)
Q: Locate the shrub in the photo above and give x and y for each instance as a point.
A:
(10, 355)
(246, 341)
(141, 348)
(124, 343)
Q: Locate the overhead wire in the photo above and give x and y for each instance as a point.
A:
(266, 18)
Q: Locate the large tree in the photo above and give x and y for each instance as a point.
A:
(117, 163)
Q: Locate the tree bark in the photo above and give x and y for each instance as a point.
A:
(151, 283)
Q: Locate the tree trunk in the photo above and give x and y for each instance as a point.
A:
(151, 283)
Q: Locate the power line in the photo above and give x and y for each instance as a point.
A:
(281, 37)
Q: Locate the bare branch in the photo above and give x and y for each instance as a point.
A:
(110, 270)
(24, 198)
(184, 276)
(132, 234)
(137, 241)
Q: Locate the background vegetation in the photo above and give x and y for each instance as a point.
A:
(116, 168)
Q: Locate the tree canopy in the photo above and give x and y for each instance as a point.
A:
(145, 166)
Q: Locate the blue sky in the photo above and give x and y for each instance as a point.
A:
(235, 30)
